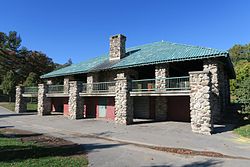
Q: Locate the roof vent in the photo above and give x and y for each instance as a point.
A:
(117, 48)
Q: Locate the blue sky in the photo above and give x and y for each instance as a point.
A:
(81, 29)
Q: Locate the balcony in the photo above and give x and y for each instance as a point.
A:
(145, 87)
(161, 86)
(98, 88)
(31, 91)
(57, 91)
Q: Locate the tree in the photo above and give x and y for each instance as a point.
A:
(21, 61)
(31, 80)
(8, 84)
(14, 41)
(240, 87)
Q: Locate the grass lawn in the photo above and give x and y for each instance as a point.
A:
(243, 130)
(17, 151)
(11, 106)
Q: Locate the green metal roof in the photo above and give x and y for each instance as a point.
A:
(154, 53)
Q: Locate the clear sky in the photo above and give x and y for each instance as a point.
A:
(81, 29)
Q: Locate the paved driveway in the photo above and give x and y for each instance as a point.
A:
(109, 144)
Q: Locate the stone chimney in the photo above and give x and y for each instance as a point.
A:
(117, 49)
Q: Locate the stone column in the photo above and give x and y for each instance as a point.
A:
(200, 102)
(89, 83)
(161, 108)
(227, 90)
(66, 85)
(44, 103)
(49, 82)
(75, 101)
(213, 67)
(91, 77)
(123, 101)
(161, 72)
(20, 105)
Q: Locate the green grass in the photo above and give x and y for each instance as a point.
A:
(11, 106)
(243, 130)
(15, 153)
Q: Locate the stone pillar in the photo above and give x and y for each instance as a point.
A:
(227, 90)
(160, 108)
(49, 82)
(91, 77)
(200, 102)
(44, 103)
(123, 101)
(20, 105)
(161, 72)
(213, 67)
(75, 101)
(89, 83)
(66, 85)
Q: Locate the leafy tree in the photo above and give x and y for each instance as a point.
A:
(240, 87)
(31, 80)
(8, 84)
(21, 61)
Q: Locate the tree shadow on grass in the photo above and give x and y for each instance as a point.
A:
(22, 150)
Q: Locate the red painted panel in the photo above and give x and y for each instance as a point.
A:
(66, 109)
(110, 108)
(84, 110)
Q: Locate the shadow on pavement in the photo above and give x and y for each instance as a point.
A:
(223, 128)
(20, 114)
(206, 163)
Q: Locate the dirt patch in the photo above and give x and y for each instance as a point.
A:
(71, 149)
(35, 137)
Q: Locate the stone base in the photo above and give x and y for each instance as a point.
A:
(160, 108)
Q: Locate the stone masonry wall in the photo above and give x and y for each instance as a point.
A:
(75, 101)
(44, 103)
(161, 72)
(123, 101)
(201, 104)
(161, 108)
(20, 105)
(217, 80)
(117, 47)
(91, 77)
(66, 85)
(226, 90)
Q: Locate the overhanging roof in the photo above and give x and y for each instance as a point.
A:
(154, 53)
